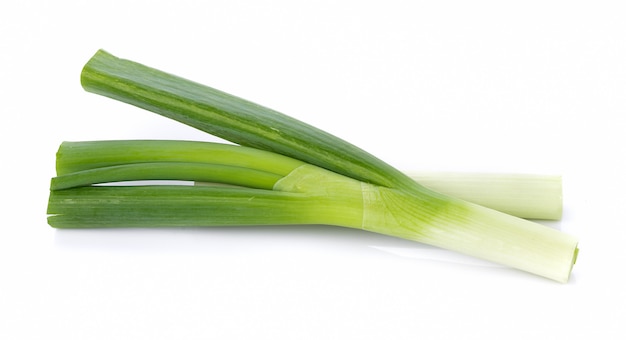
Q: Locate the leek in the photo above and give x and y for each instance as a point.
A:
(284, 172)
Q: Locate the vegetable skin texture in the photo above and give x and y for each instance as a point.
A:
(392, 203)
(232, 118)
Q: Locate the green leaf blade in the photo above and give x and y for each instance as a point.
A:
(171, 206)
(232, 118)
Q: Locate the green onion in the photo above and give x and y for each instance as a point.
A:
(285, 172)
(231, 118)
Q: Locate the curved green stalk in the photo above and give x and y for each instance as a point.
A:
(79, 156)
(232, 118)
(196, 172)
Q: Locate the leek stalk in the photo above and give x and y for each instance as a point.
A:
(306, 195)
(317, 178)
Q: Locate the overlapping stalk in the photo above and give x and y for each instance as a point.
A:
(317, 178)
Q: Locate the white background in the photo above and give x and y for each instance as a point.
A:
(496, 86)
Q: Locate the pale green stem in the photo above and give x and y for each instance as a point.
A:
(523, 195)
(434, 219)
